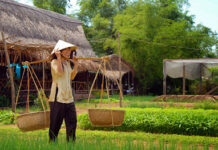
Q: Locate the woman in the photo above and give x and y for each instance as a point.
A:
(61, 99)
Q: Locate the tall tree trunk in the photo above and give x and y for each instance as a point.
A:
(10, 73)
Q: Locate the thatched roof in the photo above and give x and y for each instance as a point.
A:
(40, 29)
(114, 63)
(34, 32)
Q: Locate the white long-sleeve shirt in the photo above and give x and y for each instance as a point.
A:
(62, 81)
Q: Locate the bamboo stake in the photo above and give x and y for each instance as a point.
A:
(10, 73)
(28, 90)
(1, 58)
(183, 79)
(43, 75)
(102, 84)
(120, 78)
(107, 89)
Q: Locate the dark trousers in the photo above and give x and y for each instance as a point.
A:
(58, 112)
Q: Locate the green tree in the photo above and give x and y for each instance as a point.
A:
(155, 30)
(97, 16)
(58, 6)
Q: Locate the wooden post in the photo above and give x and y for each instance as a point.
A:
(121, 97)
(164, 78)
(10, 73)
(102, 84)
(108, 92)
(87, 80)
(2, 58)
(183, 79)
(200, 78)
(28, 90)
(128, 74)
(43, 76)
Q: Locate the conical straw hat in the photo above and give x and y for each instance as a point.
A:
(61, 45)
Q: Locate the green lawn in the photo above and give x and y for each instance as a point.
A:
(135, 102)
(12, 138)
(146, 102)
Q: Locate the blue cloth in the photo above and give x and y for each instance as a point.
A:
(18, 71)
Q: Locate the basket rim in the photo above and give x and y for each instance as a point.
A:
(29, 113)
(105, 109)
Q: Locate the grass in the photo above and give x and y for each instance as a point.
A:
(135, 102)
(116, 98)
(12, 138)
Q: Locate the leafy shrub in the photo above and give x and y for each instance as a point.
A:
(157, 120)
(38, 102)
(206, 105)
(7, 117)
(141, 105)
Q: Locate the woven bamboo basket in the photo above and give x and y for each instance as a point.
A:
(33, 121)
(106, 117)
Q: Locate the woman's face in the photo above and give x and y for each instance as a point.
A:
(66, 53)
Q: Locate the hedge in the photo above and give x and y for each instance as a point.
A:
(158, 120)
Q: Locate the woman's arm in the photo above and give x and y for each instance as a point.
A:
(59, 67)
(74, 72)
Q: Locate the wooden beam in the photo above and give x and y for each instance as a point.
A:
(183, 79)
(47, 60)
(10, 73)
(120, 78)
(164, 78)
(102, 83)
(200, 78)
(43, 76)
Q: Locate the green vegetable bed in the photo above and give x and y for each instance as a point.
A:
(157, 120)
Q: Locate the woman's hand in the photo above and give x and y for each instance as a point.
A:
(58, 54)
(75, 61)
(60, 68)
(74, 71)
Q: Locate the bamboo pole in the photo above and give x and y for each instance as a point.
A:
(47, 60)
(164, 78)
(102, 83)
(10, 73)
(108, 94)
(1, 58)
(183, 79)
(43, 76)
(120, 78)
(28, 89)
(200, 78)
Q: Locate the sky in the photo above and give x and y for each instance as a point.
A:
(205, 11)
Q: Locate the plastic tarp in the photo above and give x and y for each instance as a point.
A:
(174, 68)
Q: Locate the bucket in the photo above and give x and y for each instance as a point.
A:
(106, 117)
(33, 121)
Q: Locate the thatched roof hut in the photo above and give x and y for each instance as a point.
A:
(33, 33)
(39, 29)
